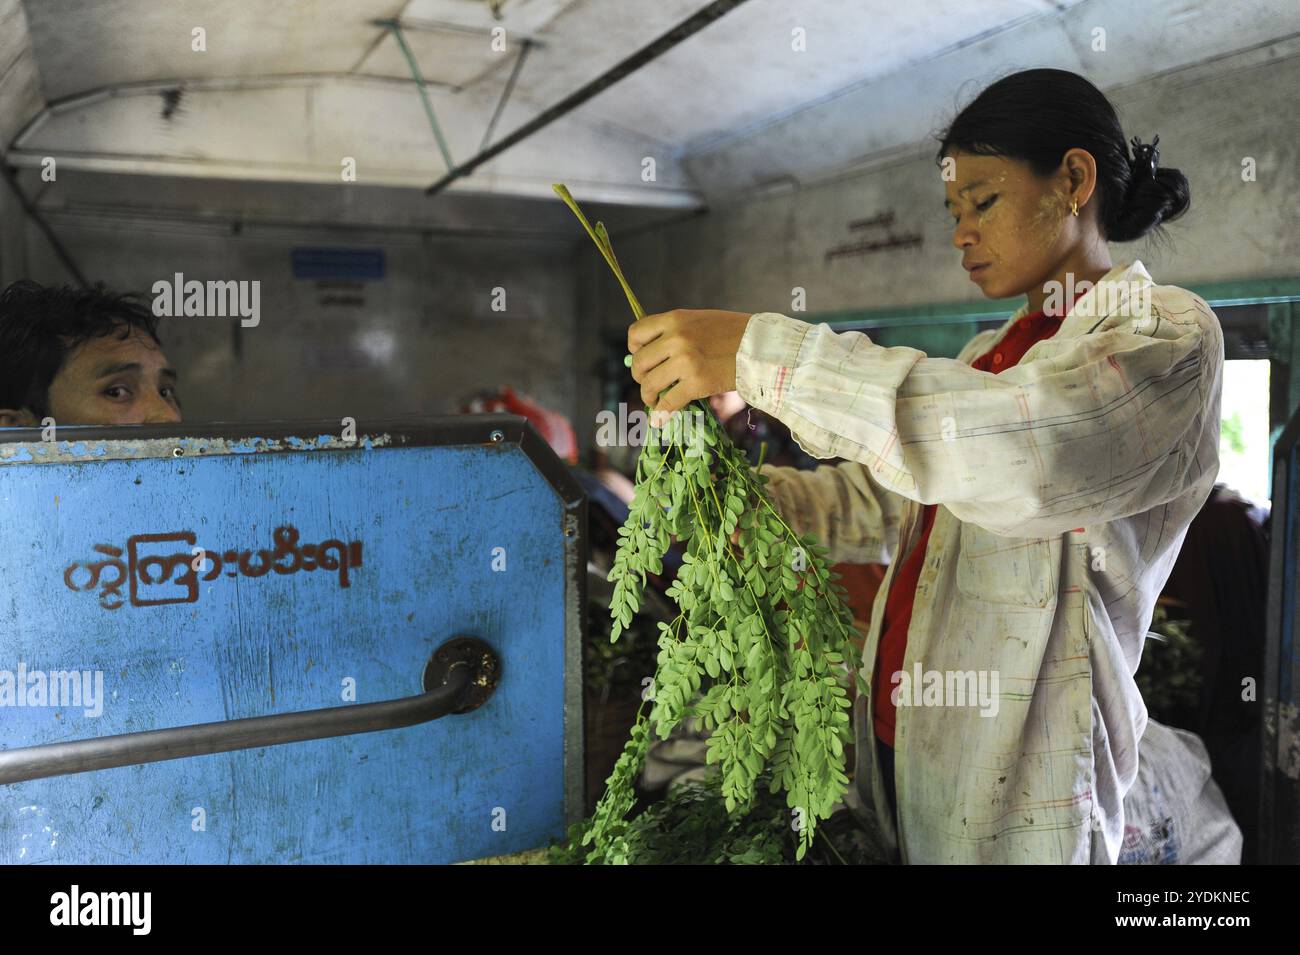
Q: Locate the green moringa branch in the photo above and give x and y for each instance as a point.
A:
(601, 238)
(764, 625)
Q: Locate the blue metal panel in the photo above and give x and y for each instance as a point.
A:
(408, 533)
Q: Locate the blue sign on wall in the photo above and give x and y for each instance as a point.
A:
(335, 263)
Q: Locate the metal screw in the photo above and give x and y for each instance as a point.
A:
(497, 436)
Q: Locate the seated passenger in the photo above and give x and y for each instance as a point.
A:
(81, 357)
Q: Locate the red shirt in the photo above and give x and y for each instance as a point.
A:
(1018, 339)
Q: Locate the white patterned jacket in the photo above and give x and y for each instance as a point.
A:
(1067, 483)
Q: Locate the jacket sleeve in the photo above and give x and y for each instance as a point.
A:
(1086, 428)
(848, 512)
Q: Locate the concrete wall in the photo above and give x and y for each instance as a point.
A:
(747, 255)
(426, 335)
(20, 99)
(414, 342)
(20, 82)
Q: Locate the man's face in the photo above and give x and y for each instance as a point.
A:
(115, 380)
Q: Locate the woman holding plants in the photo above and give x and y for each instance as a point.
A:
(1033, 493)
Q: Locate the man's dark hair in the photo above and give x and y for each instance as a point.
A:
(40, 326)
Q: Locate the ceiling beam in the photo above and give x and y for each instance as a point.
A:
(684, 30)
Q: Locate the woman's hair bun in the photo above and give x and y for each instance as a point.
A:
(1149, 202)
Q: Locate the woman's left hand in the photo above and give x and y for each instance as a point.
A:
(696, 348)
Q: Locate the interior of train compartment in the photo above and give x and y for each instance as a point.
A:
(573, 432)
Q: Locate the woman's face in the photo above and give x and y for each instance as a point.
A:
(1009, 221)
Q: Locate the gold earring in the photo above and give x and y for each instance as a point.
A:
(1074, 207)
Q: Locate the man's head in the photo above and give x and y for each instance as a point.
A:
(81, 357)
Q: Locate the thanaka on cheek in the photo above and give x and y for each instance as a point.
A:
(1049, 220)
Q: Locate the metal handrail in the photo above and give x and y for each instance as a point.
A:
(460, 681)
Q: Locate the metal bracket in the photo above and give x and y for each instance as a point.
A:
(458, 653)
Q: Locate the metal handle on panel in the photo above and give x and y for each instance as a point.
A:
(460, 677)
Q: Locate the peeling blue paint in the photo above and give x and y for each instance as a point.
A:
(51, 452)
(283, 642)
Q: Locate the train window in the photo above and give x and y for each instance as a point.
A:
(1244, 439)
